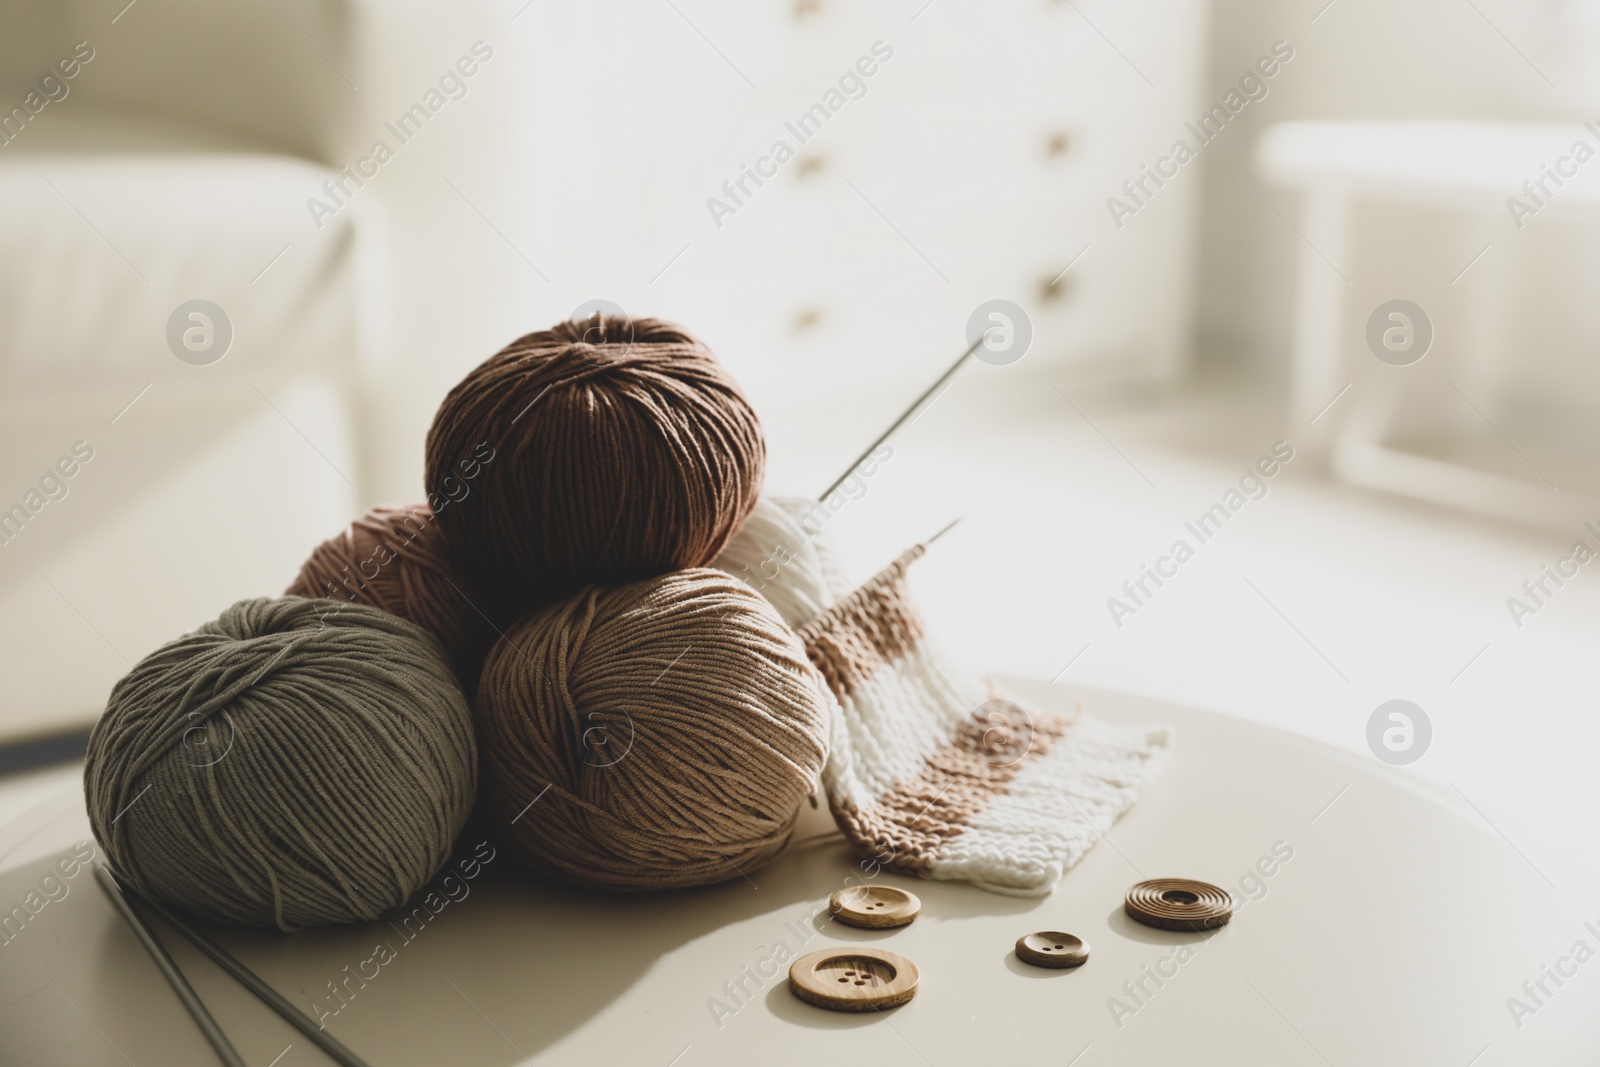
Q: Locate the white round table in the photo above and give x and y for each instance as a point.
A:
(1386, 924)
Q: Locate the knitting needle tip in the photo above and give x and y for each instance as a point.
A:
(916, 408)
(169, 969)
(944, 531)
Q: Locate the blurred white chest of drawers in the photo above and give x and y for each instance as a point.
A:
(836, 187)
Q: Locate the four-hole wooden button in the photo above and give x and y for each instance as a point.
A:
(853, 978)
(1052, 948)
(875, 907)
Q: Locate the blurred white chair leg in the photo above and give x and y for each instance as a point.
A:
(1320, 298)
(1362, 456)
(1486, 351)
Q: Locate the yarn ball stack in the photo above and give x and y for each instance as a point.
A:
(294, 763)
(622, 450)
(393, 558)
(649, 722)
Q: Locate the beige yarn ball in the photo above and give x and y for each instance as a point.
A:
(655, 735)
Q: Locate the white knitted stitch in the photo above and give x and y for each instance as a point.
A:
(891, 723)
(782, 555)
(1051, 813)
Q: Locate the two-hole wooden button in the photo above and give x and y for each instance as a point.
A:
(1179, 904)
(875, 907)
(1052, 948)
(853, 978)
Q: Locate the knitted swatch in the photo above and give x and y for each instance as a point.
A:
(932, 773)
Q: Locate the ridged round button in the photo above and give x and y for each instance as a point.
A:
(875, 907)
(1052, 948)
(1179, 904)
(853, 978)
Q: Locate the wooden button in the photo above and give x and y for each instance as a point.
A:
(1179, 904)
(853, 979)
(875, 907)
(1052, 948)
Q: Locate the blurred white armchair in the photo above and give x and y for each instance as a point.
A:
(166, 151)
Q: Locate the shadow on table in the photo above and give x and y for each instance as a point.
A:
(522, 961)
(508, 964)
(1123, 926)
(784, 1005)
(1028, 970)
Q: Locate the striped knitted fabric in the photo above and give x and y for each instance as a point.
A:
(932, 773)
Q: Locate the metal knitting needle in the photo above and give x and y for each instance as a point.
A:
(944, 531)
(180, 985)
(248, 978)
(915, 408)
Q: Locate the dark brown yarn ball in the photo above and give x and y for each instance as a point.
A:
(657, 735)
(392, 558)
(610, 459)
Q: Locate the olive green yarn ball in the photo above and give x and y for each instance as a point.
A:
(293, 763)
